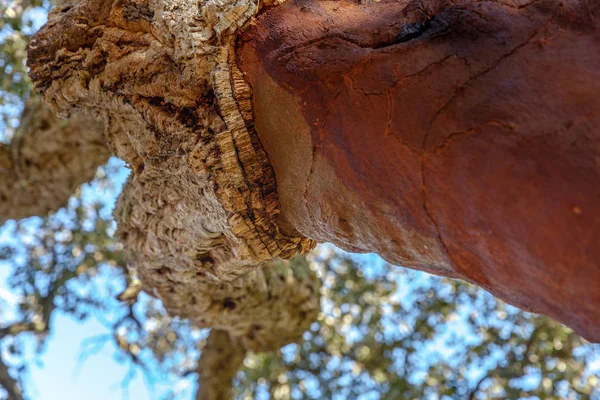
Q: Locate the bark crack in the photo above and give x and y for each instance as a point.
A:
(471, 131)
(316, 148)
(424, 193)
(457, 92)
(466, 84)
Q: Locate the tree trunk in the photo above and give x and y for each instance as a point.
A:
(458, 137)
(47, 160)
(221, 357)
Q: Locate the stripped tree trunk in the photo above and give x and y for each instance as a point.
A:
(457, 137)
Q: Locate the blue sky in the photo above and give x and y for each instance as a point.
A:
(59, 371)
(61, 374)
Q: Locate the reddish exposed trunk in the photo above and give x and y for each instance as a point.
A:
(461, 138)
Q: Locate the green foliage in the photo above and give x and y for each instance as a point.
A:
(392, 333)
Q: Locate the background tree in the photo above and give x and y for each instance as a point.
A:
(383, 331)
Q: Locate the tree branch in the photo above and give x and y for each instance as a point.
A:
(47, 159)
(219, 362)
(392, 128)
(10, 384)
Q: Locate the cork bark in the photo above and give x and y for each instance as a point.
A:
(46, 160)
(457, 137)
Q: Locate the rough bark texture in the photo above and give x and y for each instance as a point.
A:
(458, 137)
(199, 215)
(221, 357)
(47, 159)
